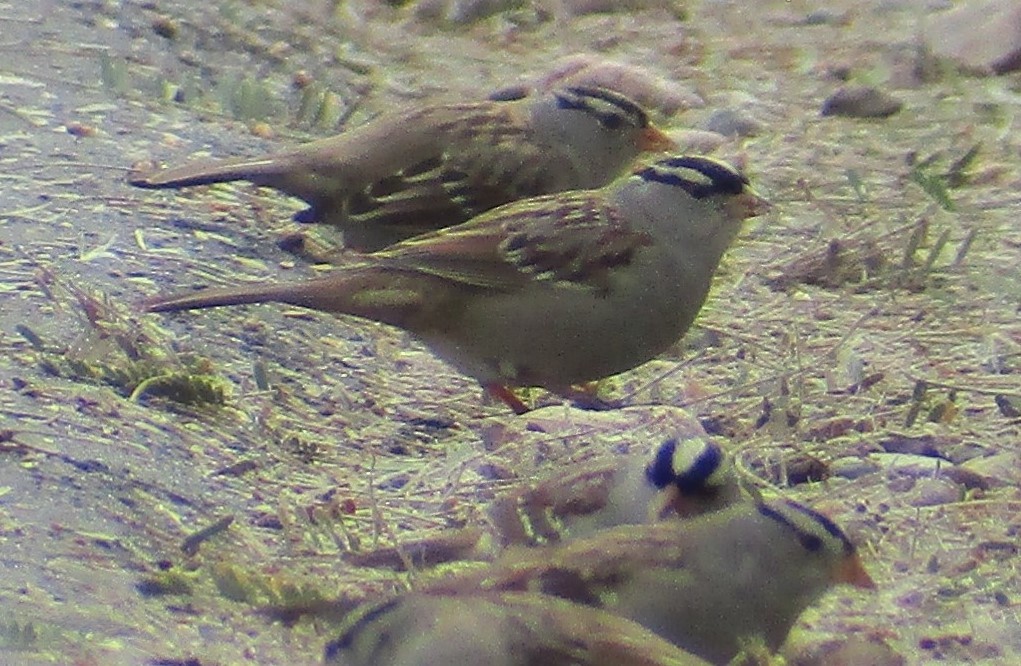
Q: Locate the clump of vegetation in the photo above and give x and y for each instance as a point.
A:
(937, 184)
(904, 258)
(117, 348)
(172, 581)
(236, 584)
(247, 99)
(16, 635)
(319, 107)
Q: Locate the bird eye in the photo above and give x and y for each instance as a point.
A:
(611, 121)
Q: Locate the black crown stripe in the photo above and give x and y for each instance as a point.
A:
(694, 478)
(721, 178)
(346, 640)
(660, 471)
(826, 523)
(811, 542)
(576, 97)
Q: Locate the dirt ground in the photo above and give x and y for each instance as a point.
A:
(867, 328)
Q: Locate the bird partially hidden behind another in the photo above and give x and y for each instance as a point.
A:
(552, 291)
(410, 172)
(505, 629)
(685, 478)
(681, 479)
(706, 585)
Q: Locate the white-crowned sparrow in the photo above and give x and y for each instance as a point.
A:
(706, 584)
(685, 478)
(410, 172)
(552, 291)
(504, 629)
(682, 478)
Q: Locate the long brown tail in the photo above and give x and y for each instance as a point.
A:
(373, 292)
(212, 298)
(207, 172)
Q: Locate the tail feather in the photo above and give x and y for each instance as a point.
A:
(371, 292)
(208, 172)
(217, 297)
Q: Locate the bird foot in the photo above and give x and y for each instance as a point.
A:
(582, 396)
(507, 397)
(585, 396)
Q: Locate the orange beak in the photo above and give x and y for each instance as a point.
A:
(751, 204)
(852, 572)
(654, 140)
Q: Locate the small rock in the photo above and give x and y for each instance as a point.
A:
(164, 26)
(923, 445)
(639, 83)
(981, 37)
(857, 101)
(924, 481)
(1000, 469)
(852, 651)
(853, 467)
(698, 141)
(968, 479)
(568, 8)
(461, 11)
(825, 17)
(933, 492)
(906, 464)
(962, 452)
(731, 122)
(1009, 407)
(781, 466)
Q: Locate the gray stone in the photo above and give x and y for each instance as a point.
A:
(857, 101)
(980, 37)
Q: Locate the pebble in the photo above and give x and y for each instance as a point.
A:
(784, 467)
(933, 492)
(998, 469)
(852, 651)
(853, 467)
(639, 83)
(702, 142)
(566, 8)
(462, 12)
(858, 101)
(980, 37)
(825, 17)
(459, 11)
(923, 480)
(923, 445)
(909, 464)
(732, 122)
(961, 452)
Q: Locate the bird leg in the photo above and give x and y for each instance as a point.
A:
(585, 396)
(507, 397)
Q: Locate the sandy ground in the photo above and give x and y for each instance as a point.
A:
(363, 438)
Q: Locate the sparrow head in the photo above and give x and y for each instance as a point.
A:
(614, 113)
(705, 178)
(597, 131)
(695, 474)
(820, 537)
(694, 201)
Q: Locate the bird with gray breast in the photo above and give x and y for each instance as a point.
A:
(706, 585)
(553, 291)
(412, 171)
